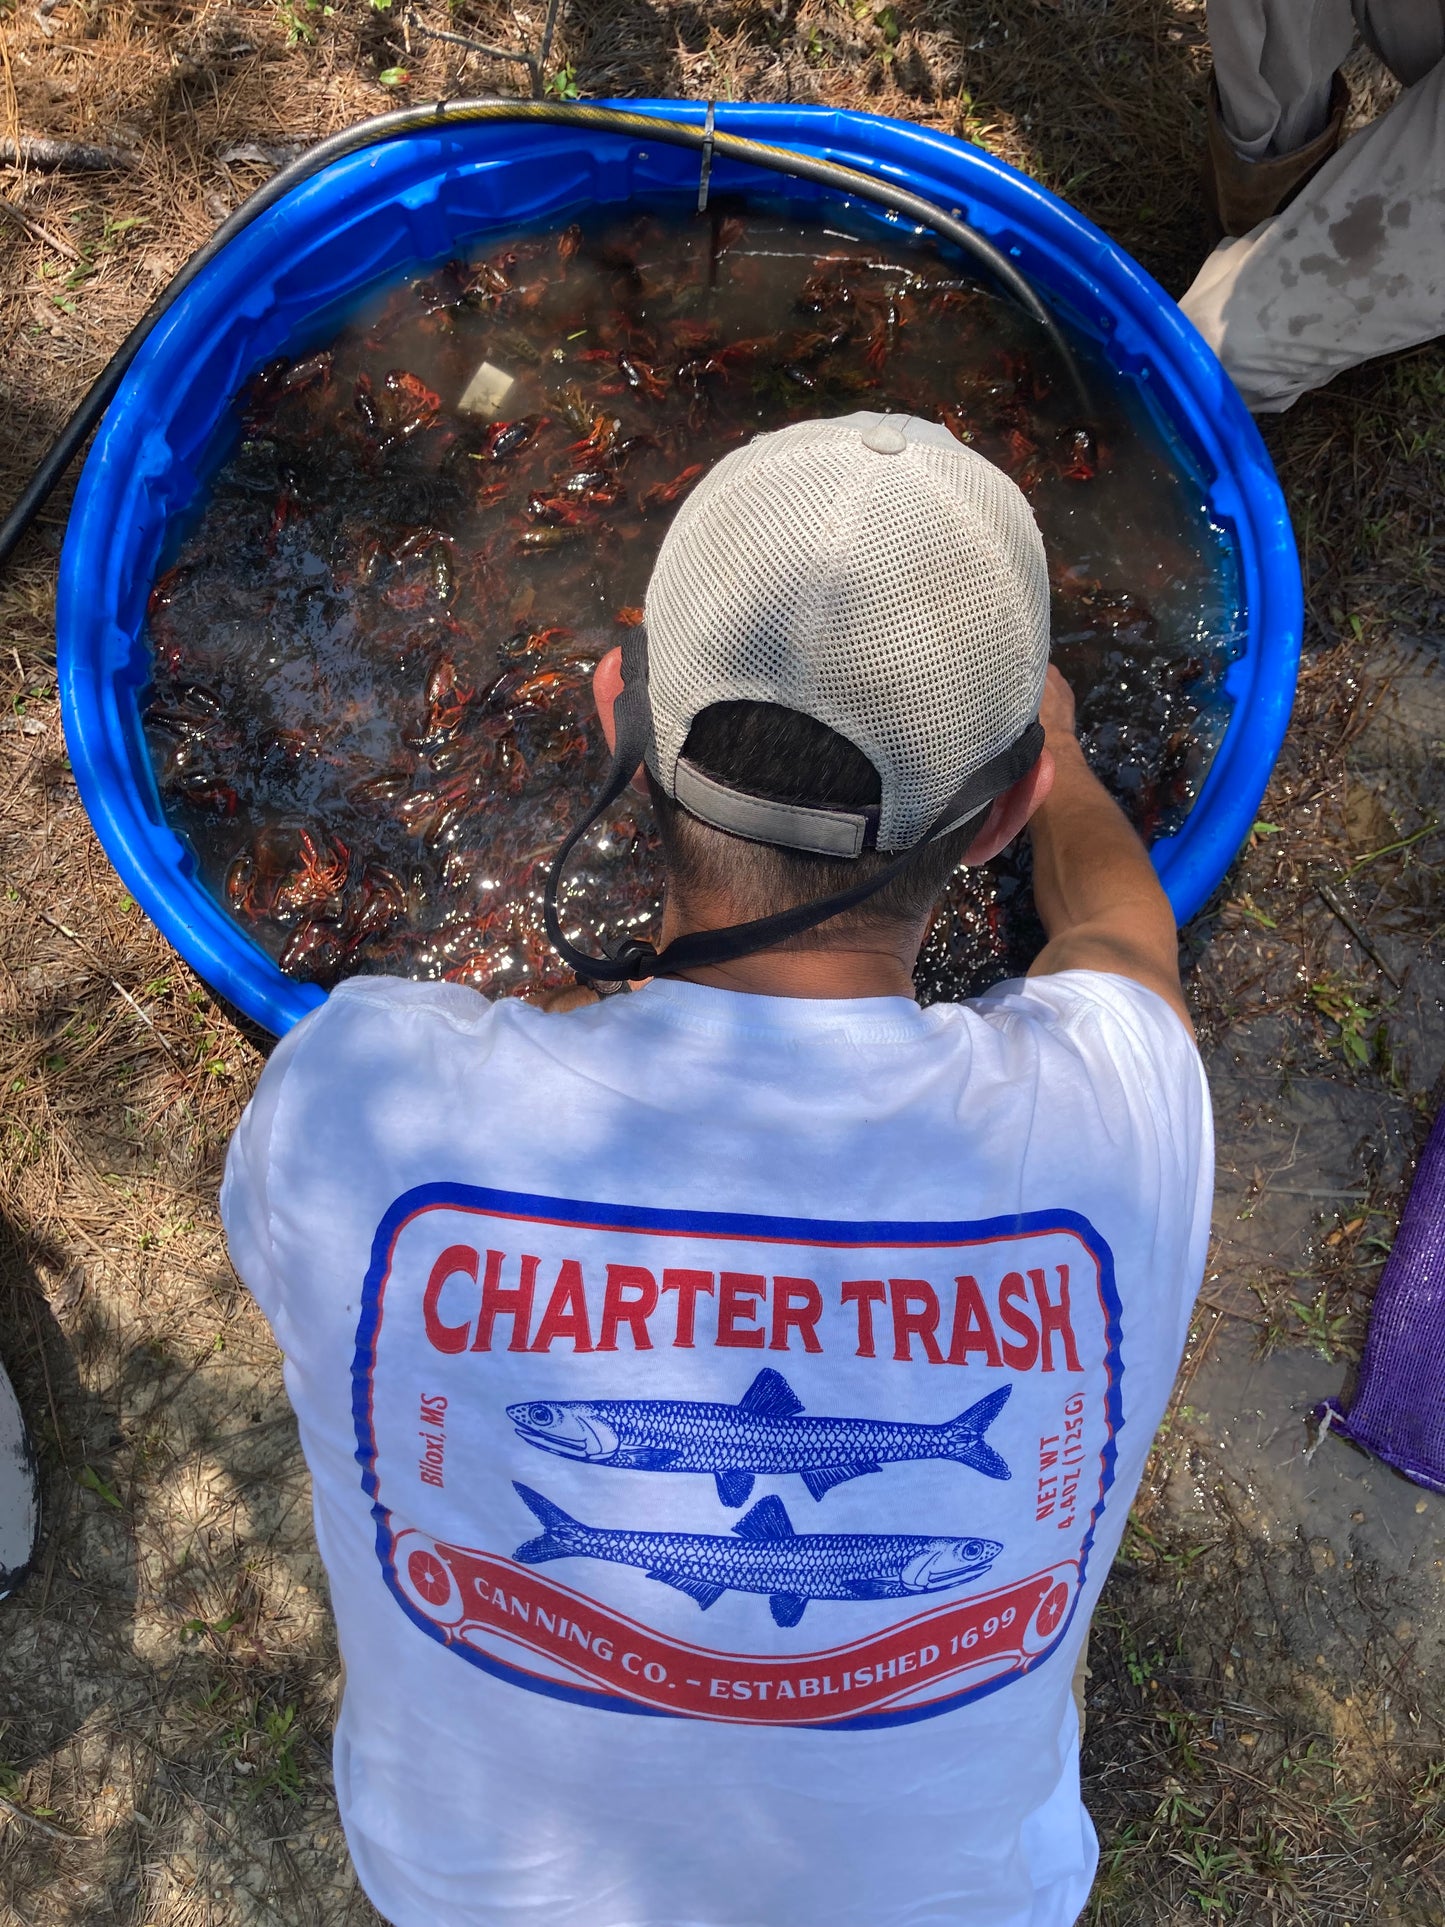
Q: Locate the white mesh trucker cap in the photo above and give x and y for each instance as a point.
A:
(873, 573)
(869, 572)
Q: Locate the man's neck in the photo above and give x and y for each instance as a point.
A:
(879, 964)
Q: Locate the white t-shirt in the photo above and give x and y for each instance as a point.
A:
(722, 1413)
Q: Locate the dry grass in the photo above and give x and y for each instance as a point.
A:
(166, 1681)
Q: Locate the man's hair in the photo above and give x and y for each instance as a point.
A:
(778, 753)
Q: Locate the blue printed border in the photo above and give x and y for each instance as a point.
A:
(585, 1215)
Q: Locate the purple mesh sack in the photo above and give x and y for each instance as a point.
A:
(1398, 1411)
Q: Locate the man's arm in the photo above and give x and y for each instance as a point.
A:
(1098, 897)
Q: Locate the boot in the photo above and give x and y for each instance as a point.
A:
(1240, 194)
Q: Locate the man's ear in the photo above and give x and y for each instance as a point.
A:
(1008, 813)
(606, 688)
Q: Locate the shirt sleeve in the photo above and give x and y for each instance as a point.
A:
(1091, 1008)
(245, 1206)
(1131, 1078)
(319, 1058)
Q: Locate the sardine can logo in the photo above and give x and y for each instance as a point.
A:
(558, 1442)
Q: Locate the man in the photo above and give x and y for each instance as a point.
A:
(1336, 254)
(724, 1400)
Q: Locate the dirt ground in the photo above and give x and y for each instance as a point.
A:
(1265, 1741)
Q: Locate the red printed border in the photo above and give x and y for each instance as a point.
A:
(468, 1596)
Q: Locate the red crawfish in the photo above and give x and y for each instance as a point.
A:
(481, 969)
(1020, 459)
(567, 749)
(1026, 379)
(172, 643)
(284, 379)
(191, 711)
(573, 408)
(808, 348)
(437, 547)
(433, 814)
(693, 337)
(951, 299)
(597, 444)
(1080, 461)
(386, 788)
(247, 892)
(259, 871)
(557, 511)
(315, 948)
(752, 348)
(641, 379)
(506, 770)
(312, 371)
(822, 292)
(163, 590)
(287, 509)
(365, 403)
(533, 642)
(416, 405)
(206, 793)
(405, 595)
(663, 494)
(697, 368)
(555, 537)
(531, 692)
(888, 317)
(493, 278)
(446, 699)
(598, 487)
(319, 879)
(510, 438)
(295, 746)
(381, 902)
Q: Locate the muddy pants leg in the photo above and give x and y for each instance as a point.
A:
(1353, 268)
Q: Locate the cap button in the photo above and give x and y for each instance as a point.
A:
(884, 439)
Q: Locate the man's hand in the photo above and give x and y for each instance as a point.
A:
(567, 997)
(1096, 891)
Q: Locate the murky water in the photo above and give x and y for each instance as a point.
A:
(372, 718)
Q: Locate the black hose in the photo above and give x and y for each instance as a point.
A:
(443, 113)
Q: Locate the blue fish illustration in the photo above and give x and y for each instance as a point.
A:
(766, 1432)
(764, 1554)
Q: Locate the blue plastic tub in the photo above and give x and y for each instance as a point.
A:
(286, 282)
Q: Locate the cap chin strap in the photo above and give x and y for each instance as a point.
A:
(635, 958)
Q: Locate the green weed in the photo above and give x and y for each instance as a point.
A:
(93, 1482)
(1357, 1022)
(261, 1746)
(1322, 1327)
